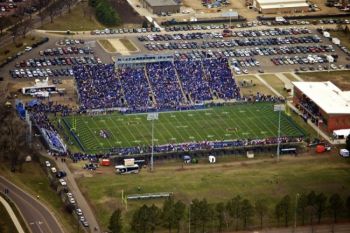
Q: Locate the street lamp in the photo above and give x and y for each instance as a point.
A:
(278, 108)
(189, 218)
(152, 117)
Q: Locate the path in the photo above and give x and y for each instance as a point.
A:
(12, 215)
(38, 217)
(79, 197)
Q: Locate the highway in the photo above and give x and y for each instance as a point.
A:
(38, 218)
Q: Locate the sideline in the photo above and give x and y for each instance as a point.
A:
(12, 215)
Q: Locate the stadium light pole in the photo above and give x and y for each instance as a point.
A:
(152, 117)
(278, 108)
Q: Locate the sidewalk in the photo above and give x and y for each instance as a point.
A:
(12, 215)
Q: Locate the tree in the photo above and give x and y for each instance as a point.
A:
(153, 217)
(179, 210)
(347, 142)
(220, 215)
(13, 144)
(278, 212)
(68, 4)
(301, 208)
(115, 222)
(234, 209)
(348, 206)
(139, 220)
(247, 211)
(145, 24)
(168, 214)
(335, 206)
(321, 201)
(4, 23)
(206, 214)
(194, 210)
(285, 205)
(261, 210)
(311, 206)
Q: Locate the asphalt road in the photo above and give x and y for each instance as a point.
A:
(38, 218)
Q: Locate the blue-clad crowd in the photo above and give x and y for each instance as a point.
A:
(160, 85)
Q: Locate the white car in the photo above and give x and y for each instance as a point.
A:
(27, 49)
(48, 164)
(69, 195)
(53, 170)
(79, 212)
(62, 182)
(71, 200)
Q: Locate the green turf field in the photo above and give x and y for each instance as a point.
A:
(239, 121)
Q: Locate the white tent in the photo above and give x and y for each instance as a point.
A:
(341, 133)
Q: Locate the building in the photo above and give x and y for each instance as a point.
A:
(161, 6)
(281, 6)
(324, 103)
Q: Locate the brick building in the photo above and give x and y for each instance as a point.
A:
(324, 103)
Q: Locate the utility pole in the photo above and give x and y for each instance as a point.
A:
(279, 108)
(152, 117)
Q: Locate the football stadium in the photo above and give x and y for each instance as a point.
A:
(198, 104)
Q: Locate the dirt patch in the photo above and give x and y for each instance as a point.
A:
(126, 12)
(253, 85)
(107, 46)
(120, 47)
(339, 78)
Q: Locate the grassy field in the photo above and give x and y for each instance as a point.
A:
(220, 123)
(339, 78)
(76, 20)
(343, 37)
(13, 49)
(107, 46)
(35, 181)
(252, 90)
(290, 77)
(6, 224)
(128, 44)
(257, 178)
(276, 83)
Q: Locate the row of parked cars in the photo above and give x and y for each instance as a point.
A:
(233, 43)
(58, 61)
(66, 50)
(322, 67)
(123, 30)
(68, 196)
(69, 42)
(310, 59)
(40, 73)
(213, 35)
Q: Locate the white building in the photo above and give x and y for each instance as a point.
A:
(281, 6)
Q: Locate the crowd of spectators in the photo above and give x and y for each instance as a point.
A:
(136, 88)
(166, 86)
(192, 79)
(98, 86)
(220, 78)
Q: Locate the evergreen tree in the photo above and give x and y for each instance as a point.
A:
(335, 206)
(261, 210)
(115, 222)
(321, 202)
(247, 212)
(179, 210)
(301, 207)
(220, 215)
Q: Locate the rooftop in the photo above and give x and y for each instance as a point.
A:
(332, 100)
(283, 5)
(161, 2)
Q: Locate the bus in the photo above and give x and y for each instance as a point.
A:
(132, 169)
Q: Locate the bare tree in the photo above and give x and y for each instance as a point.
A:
(4, 23)
(12, 136)
(26, 26)
(68, 4)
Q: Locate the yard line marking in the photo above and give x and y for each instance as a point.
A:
(117, 127)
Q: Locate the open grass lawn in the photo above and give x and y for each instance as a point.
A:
(290, 77)
(255, 87)
(13, 49)
(275, 82)
(343, 37)
(35, 181)
(241, 121)
(107, 46)
(6, 224)
(339, 78)
(220, 182)
(76, 20)
(128, 44)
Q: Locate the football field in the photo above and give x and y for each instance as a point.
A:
(241, 121)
